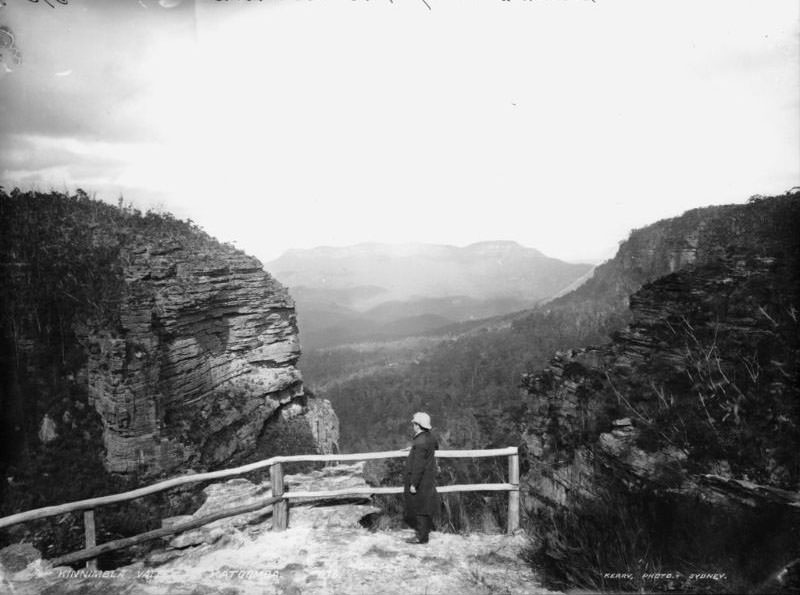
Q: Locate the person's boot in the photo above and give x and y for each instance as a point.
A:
(423, 528)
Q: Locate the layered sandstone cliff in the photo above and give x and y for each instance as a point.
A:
(184, 347)
(699, 236)
(204, 354)
(704, 379)
(673, 447)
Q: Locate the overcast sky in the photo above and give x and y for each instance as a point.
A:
(561, 124)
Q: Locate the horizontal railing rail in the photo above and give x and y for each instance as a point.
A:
(377, 491)
(110, 546)
(278, 501)
(40, 513)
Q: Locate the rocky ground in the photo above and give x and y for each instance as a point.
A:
(308, 559)
(325, 550)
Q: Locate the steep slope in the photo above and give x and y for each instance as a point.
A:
(138, 341)
(693, 408)
(719, 337)
(203, 355)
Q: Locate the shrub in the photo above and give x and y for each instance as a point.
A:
(650, 541)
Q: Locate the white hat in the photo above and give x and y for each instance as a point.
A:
(423, 419)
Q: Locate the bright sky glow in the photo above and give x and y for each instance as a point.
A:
(561, 124)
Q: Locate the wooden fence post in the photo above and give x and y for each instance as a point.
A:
(513, 495)
(91, 539)
(280, 510)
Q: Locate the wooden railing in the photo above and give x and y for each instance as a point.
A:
(278, 501)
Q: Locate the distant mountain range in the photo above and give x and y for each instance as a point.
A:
(383, 291)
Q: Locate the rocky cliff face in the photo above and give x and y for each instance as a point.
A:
(698, 396)
(697, 237)
(185, 348)
(204, 354)
(707, 370)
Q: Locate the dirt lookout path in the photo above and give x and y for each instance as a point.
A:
(325, 550)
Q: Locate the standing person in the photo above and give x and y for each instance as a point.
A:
(419, 488)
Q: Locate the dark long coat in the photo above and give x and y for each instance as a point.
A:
(421, 473)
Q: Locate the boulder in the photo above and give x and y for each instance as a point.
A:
(18, 556)
(339, 511)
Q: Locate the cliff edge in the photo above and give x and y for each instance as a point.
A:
(685, 425)
(139, 341)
